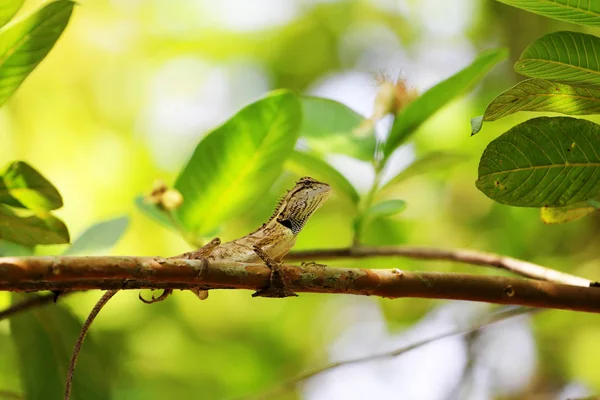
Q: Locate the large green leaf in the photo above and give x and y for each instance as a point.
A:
(583, 12)
(566, 57)
(24, 45)
(234, 165)
(544, 96)
(8, 9)
(307, 164)
(435, 161)
(98, 239)
(22, 186)
(559, 215)
(332, 127)
(29, 229)
(45, 337)
(550, 162)
(420, 109)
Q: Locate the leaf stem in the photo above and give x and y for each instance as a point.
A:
(368, 201)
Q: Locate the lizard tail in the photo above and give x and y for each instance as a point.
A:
(84, 330)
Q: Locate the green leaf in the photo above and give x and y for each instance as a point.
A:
(385, 209)
(8, 9)
(434, 161)
(559, 215)
(544, 96)
(566, 57)
(31, 228)
(23, 45)
(376, 216)
(98, 239)
(44, 337)
(308, 164)
(13, 249)
(155, 213)
(419, 110)
(22, 186)
(332, 127)
(550, 162)
(234, 165)
(582, 12)
(476, 124)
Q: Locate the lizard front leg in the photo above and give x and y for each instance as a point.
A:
(279, 284)
(202, 252)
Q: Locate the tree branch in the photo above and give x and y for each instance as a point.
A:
(84, 273)
(472, 257)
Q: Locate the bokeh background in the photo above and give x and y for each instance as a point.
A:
(133, 85)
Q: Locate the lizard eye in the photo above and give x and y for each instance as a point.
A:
(287, 223)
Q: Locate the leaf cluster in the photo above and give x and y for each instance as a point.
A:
(26, 197)
(549, 163)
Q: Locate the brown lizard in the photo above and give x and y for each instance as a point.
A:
(269, 244)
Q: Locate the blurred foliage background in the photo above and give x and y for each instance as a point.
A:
(133, 85)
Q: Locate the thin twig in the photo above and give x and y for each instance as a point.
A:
(111, 273)
(84, 330)
(488, 320)
(514, 265)
(30, 302)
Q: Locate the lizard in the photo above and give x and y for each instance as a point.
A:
(269, 244)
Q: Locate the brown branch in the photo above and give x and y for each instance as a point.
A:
(84, 273)
(513, 265)
(465, 256)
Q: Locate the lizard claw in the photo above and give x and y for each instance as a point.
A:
(279, 285)
(162, 297)
(312, 264)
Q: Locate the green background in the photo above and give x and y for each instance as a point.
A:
(130, 89)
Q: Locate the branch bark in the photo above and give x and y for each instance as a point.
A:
(84, 273)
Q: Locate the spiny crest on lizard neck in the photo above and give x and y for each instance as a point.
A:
(296, 207)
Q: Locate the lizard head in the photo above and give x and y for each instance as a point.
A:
(301, 202)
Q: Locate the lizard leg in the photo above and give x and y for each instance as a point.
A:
(163, 296)
(203, 251)
(279, 285)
